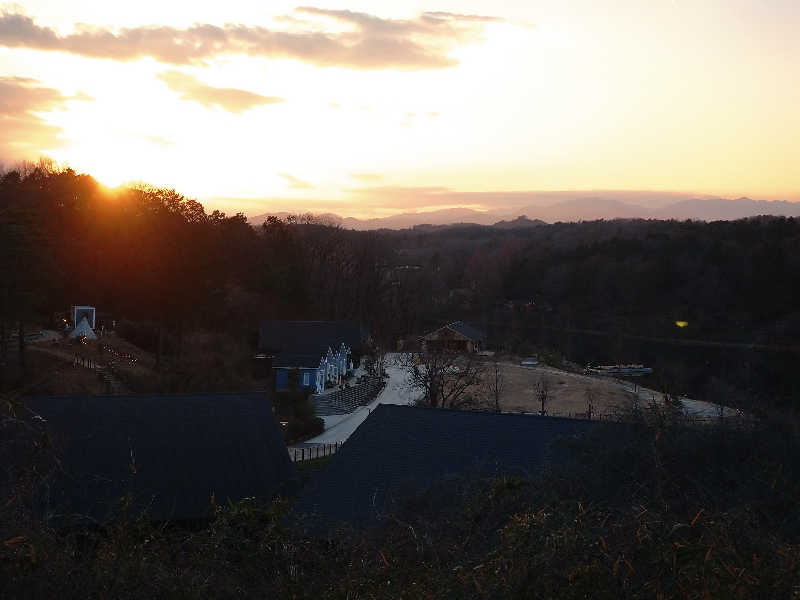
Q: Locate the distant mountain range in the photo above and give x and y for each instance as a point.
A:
(576, 209)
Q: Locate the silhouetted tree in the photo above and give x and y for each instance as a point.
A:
(543, 394)
(444, 380)
(496, 382)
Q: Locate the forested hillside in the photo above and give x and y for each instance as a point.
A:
(600, 291)
(157, 263)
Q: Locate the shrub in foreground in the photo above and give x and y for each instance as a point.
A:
(658, 512)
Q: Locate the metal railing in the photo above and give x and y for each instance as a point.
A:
(348, 399)
(313, 452)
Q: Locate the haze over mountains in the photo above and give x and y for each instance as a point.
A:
(586, 208)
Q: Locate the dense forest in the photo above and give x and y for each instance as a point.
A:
(600, 291)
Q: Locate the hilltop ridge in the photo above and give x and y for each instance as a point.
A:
(588, 208)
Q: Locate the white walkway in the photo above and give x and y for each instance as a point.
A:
(699, 409)
(397, 391)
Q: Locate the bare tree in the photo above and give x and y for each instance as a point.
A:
(543, 394)
(444, 379)
(376, 361)
(496, 383)
(589, 403)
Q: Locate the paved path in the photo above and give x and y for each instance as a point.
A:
(699, 409)
(340, 427)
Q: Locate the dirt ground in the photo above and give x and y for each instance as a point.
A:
(567, 395)
(57, 374)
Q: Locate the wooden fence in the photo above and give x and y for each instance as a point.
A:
(735, 421)
(594, 416)
(313, 452)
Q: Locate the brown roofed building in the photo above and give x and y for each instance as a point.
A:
(457, 337)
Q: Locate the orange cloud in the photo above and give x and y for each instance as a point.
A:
(296, 183)
(372, 42)
(22, 131)
(230, 99)
(367, 177)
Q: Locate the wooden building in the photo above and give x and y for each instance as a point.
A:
(457, 337)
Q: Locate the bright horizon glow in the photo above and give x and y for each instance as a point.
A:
(689, 97)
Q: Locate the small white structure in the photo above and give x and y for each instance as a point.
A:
(83, 330)
(79, 312)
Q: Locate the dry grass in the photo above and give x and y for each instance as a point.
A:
(568, 392)
(133, 365)
(53, 374)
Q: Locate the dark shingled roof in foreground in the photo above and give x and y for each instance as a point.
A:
(171, 453)
(304, 343)
(400, 451)
(309, 337)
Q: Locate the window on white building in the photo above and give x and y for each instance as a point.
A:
(305, 379)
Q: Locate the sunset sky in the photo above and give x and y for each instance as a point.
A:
(372, 108)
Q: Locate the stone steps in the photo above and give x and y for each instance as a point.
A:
(113, 384)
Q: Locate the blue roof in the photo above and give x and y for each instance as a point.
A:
(400, 451)
(169, 452)
(304, 343)
(289, 360)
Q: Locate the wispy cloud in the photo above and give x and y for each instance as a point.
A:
(230, 99)
(436, 16)
(367, 177)
(159, 141)
(22, 130)
(296, 183)
(368, 42)
(401, 196)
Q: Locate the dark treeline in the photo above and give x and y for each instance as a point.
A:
(722, 277)
(596, 291)
(155, 258)
(613, 292)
